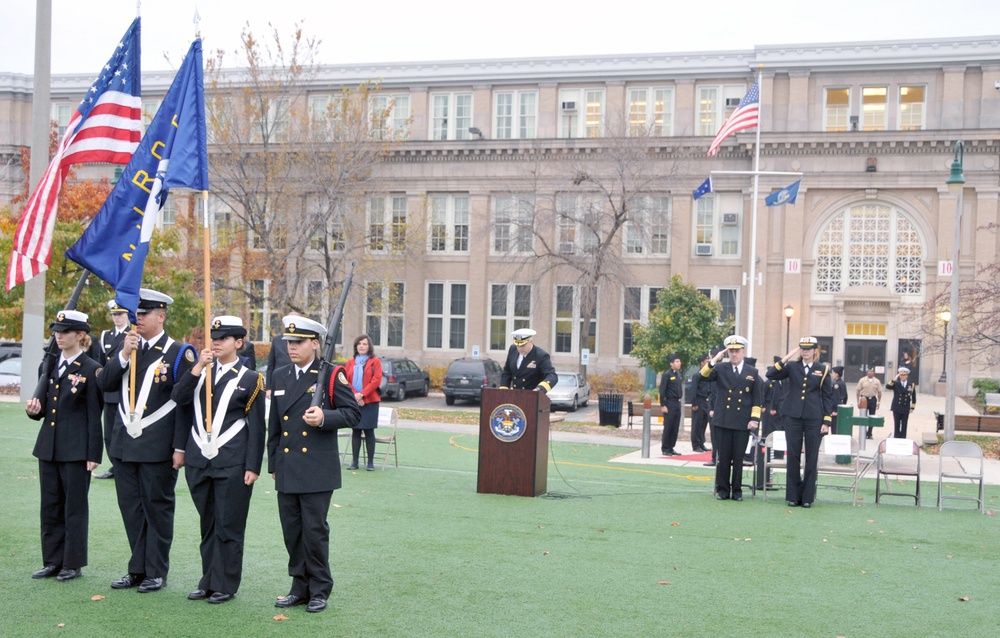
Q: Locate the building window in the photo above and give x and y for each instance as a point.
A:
(510, 310)
(651, 111)
(715, 104)
(149, 109)
(728, 299)
(325, 223)
(873, 111)
(387, 223)
(449, 223)
(648, 228)
(63, 113)
(718, 225)
(837, 112)
(912, 108)
(569, 321)
(869, 245)
(273, 125)
(512, 224)
(578, 223)
(168, 214)
(581, 113)
(315, 299)
(451, 116)
(384, 313)
(446, 315)
(265, 321)
(637, 303)
(516, 114)
(865, 329)
(390, 116)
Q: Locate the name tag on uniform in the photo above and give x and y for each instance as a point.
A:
(279, 393)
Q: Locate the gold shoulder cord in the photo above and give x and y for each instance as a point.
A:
(256, 391)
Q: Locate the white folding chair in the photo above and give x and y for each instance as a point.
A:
(775, 442)
(897, 458)
(387, 419)
(965, 462)
(839, 457)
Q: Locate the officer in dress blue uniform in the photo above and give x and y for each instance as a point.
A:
(671, 392)
(68, 448)
(904, 401)
(147, 445)
(304, 460)
(699, 408)
(528, 367)
(109, 343)
(223, 457)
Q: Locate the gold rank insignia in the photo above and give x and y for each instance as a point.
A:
(189, 353)
(341, 377)
(217, 324)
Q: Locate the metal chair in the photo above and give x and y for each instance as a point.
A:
(774, 442)
(839, 456)
(897, 458)
(387, 418)
(965, 455)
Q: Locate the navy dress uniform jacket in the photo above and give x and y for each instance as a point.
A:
(738, 398)
(536, 371)
(71, 414)
(807, 398)
(903, 399)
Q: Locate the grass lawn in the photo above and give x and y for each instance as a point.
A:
(614, 551)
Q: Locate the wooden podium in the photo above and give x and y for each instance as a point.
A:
(513, 442)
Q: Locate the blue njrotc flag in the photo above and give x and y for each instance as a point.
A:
(784, 196)
(172, 153)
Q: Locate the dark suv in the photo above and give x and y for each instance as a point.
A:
(401, 377)
(467, 377)
(9, 349)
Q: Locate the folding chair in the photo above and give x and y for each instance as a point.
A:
(964, 455)
(839, 457)
(344, 441)
(897, 458)
(775, 442)
(386, 419)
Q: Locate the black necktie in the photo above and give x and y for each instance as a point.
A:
(145, 347)
(62, 368)
(807, 369)
(736, 370)
(298, 374)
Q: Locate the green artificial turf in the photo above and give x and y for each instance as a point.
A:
(614, 550)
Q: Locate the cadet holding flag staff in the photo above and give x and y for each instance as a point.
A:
(528, 367)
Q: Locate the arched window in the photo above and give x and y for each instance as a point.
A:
(869, 245)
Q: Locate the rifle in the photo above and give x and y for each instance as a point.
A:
(49, 356)
(330, 346)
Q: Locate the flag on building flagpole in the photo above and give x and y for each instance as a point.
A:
(745, 116)
(786, 195)
(704, 189)
(173, 153)
(104, 128)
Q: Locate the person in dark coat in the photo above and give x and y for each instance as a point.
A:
(68, 448)
(699, 408)
(147, 444)
(839, 395)
(671, 393)
(806, 413)
(223, 457)
(738, 401)
(528, 367)
(904, 401)
(304, 460)
(364, 371)
(109, 343)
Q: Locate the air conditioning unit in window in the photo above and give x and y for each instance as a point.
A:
(569, 106)
(703, 250)
(730, 219)
(566, 247)
(732, 102)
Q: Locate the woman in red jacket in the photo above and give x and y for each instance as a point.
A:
(364, 372)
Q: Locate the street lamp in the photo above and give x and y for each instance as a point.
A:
(789, 311)
(956, 185)
(945, 317)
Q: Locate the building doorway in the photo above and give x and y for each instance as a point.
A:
(862, 354)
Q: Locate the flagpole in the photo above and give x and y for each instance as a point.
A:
(207, 262)
(753, 216)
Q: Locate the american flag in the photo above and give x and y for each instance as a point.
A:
(104, 128)
(745, 116)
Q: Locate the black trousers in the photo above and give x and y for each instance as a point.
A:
(872, 406)
(223, 503)
(65, 512)
(899, 423)
(671, 425)
(110, 411)
(146, 501)
(730, 447)
(801, 486)
(307, 540)
(699, 420)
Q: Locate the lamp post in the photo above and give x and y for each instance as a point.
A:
(945, 317)
(956, 185)
(789, 311)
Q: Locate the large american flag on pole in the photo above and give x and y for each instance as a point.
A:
(745, 116)
(105, 127)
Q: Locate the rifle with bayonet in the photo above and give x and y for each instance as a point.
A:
(330, 345)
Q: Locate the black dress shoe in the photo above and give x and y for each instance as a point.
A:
(198, 594)
(807, 505)
(127, 581)
(792, 504)
(770, 487)
(371, 467)
(69, 574)
(152, 584)
(291, 600)
(352, 466)
(316, 603)
(721, 496)
(110, 474)
(709, 464)
(737, 496)
(46, 572)
(220, 597)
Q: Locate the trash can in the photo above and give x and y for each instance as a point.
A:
(609, 408)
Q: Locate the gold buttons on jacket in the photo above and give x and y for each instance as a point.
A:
(304, 450)
(284, 434)
(286, 450)
(286, 417)
(304, 433)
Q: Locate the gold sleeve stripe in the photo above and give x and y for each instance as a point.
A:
(545, 385)
(705, 370)
(777, 365)
(256, 391)
(755, 413)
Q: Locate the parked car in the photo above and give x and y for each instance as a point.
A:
(9, 349)
(571, 391)
(10, 372)
(466, 378)
(401, 376)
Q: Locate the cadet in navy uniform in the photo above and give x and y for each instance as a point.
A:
(699, 408)
(68, 448)
(739, 396)
(806, 412)
(671, 392)
(147, 448)
(223, 460)
(904, 401)
(839, 395)
(109, 343)
(528, 367)
(303, 459)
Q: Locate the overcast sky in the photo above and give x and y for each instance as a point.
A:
(84, 31)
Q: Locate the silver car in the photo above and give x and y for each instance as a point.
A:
(571, 392)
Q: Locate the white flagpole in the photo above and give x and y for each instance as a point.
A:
(753, 214)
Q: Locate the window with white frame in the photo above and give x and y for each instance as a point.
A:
(265, 321)
(265, 228)
(873, 108)
(510, 310)
(221, 220)
(912, 107)
(62, 113)
(168, 214)
(390, 116)
(569, 320)
(316, 299)
(715, 104)
(273, 125)
(515, 115)
(647, 232)
(384, 312)
(449, 223)
(451, 116)
(651, 111)
(149, 109)
(578, 223)
(387, 223)
(837, 110)
(718, 225)
(446, 315)
(637, 303)
(325, 221)
(512, 224)
(728, 299)
(581, 113)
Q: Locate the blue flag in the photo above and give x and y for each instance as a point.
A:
(784, 196)
(172, 153)
(704, 189)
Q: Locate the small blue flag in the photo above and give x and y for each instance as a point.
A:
(784, 196)
(704, 189)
